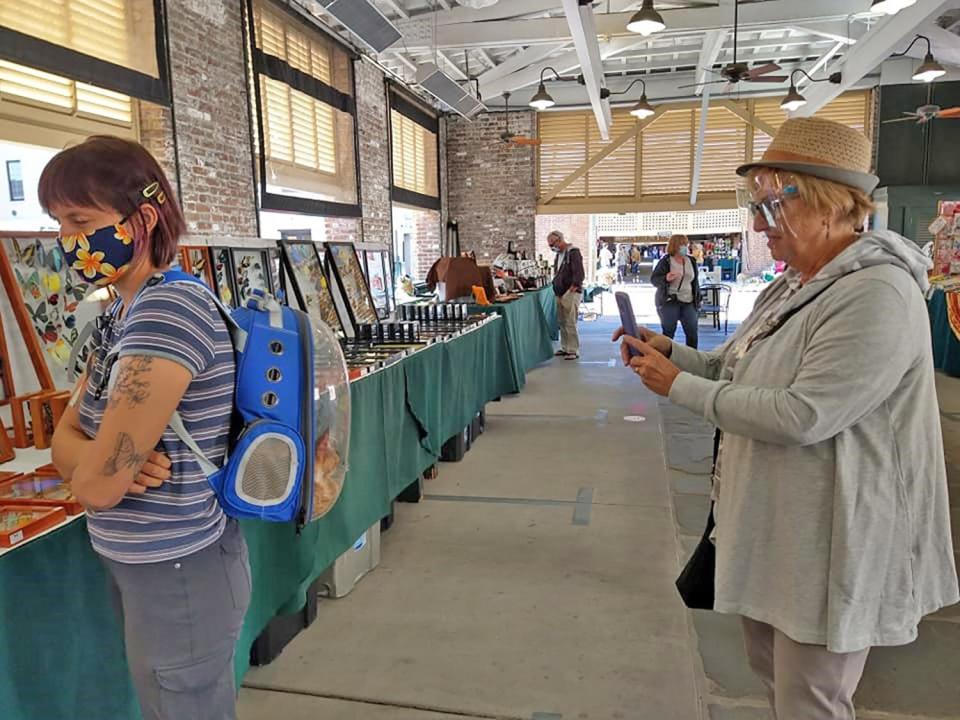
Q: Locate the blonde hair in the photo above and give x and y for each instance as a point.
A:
(826, 197)
(675, 242)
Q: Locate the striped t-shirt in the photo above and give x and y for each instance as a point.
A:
(178, 322)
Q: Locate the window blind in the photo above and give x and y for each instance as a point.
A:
(306, 116)
(109, 42)
(414, 156)
(36, 88)
(616, 174)
(663, 158)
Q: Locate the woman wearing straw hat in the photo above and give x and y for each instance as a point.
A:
(832, 517)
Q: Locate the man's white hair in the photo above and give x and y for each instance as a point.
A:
(557, 234)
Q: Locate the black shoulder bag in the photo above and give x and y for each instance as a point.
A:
(696, 582)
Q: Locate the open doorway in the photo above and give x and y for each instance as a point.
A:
(416, 241)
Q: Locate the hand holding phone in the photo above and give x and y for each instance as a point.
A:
(628, 320)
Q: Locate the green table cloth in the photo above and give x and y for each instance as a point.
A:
(529, 331)
(61, 652)
(946, 347)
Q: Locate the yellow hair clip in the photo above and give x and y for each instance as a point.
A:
(153, 190)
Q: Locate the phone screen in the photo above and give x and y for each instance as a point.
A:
(627, 319)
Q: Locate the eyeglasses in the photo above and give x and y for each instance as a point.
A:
(771, 207)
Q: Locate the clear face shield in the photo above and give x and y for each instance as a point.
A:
(767, 195)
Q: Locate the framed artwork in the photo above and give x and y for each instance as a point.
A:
(344, 266)
(53, 294)
(251, 268)
(224, 276)
(304, 268)
(196, 260)
(378, 276)
(275, 267)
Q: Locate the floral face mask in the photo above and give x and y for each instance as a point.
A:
(101, 257)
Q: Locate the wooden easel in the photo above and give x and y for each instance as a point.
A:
(41, 413)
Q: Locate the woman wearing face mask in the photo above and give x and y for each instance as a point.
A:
(832, 515)
(678, 290)
(177, 567)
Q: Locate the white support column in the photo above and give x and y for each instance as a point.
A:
(888, 36)
(701, 137)
(713, 42)
(583, 30)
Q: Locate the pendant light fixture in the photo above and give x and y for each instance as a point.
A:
(646, 20)
(642, 109)
(890, 7)
(930, 69)
(542, 99)
(794, 100)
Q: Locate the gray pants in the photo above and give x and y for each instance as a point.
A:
(568, 310)
(803, 682)
(181, 620)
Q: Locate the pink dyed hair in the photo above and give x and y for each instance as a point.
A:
(108, 172)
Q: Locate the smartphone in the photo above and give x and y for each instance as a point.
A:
(628, 320)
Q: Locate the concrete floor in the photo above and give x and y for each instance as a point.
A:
(535, 580)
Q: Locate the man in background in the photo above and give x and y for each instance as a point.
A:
(568, 287)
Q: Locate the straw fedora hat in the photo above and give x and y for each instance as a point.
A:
(822, 148)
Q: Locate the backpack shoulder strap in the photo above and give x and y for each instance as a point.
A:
(237, 334)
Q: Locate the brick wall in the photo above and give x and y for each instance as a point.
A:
(427, 241)
(212, 117)
(491, 186)
(374, 152)
(156, 134)
(576, 230)
(342, 229)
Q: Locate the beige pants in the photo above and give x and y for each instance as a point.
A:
(568, 309)
(804, 682)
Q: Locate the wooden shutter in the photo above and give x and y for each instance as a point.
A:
(36, 88)
(616, 174)
(666, 145)
(298, 129)
(305, 52)
(414, 156)
(853, 109)
(563, 149)
(118, 31)
(724, 149)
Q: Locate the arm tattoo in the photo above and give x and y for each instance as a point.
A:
(132, 385)
(125, 456)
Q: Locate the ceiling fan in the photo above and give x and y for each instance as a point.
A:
(926, 113)
(507, 136)
(738, 72)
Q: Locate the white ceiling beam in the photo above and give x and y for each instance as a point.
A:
(493, 33)
(726, 47)
(488, 58)
(506, 9)
(887, 36)
(519, 61)
(583, 30)
(397, 8)
(821, 64)
(667, 88)
(712, 45)
(454, 68)
(564, 63)
(847, 38)
(701, 139)
(405, 61)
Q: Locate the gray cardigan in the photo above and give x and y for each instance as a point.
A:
(833, 521)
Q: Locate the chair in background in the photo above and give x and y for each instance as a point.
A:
(714, 300)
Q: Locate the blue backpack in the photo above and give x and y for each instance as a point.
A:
(269, 468)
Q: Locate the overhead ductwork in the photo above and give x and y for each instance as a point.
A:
(363, 19)
(445, 89)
